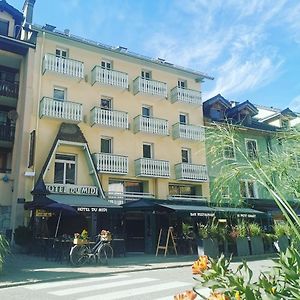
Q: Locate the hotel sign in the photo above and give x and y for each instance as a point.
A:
(72, 189)
(202, 214)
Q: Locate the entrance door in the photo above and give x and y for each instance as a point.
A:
(135, 233)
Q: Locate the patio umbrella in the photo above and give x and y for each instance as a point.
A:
(63, 209)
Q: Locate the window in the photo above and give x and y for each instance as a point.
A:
(4, 160)
(175, 189)
(147, 150)
(4, 27)
(62, 53)
(146, 111)
(228, 152)
(216, 114)
(121, 186)
(106, 64)
(225, 191)
(181, 83)
(247, 189)
(146, 74)
(186, 155)
(106, 103)
(106, 145)
(251, 148)
(183, 119)
(59, 94)
(65, 169)
(285, 123)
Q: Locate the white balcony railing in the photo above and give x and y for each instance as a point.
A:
(186, 96)
(151, 125)
(191, 172)
(148, 167)
(120, 198)
(111, 118)
(188, 132)
(110, 77)
(151, 87)
(187, 197)
(66, 66)
(64, 110)
(110, 163)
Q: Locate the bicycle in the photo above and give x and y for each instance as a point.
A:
(81, 254)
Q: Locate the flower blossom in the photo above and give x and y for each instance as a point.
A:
(187, 295)
(200, 265)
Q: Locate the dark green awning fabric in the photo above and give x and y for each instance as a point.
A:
(194, 210)
(84, 203)
(243, 212)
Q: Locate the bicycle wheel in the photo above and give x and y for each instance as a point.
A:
(79, 255)
(105, 253)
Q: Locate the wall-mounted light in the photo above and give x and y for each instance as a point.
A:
(5, 178)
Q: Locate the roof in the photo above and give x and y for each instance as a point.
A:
(18, 16)
(120, 50)
(230, 112)
(284, 113)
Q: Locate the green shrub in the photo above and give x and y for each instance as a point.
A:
(241, 230)
(23, 236)
(254, 229)
(281, 229)
(203, 231)
(4, 249)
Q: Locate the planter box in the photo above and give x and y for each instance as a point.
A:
(211, 247)
(242, 247)
(200, 246)
(257, 245)
(283, 243)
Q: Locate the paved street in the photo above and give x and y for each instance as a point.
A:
(159, 284)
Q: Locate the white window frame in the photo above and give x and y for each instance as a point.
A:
(104, 64)
(151, 150)
(247, 190)
(59, 88)
(246, 147)
(144, 74)
(149, 108)
(65, 162)
(107, 138)
(189, 155)
(224, 151)
(109, 100)
(61, 50)
(181, 83)
(186, 116)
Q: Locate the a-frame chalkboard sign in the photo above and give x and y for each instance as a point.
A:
(163, 241)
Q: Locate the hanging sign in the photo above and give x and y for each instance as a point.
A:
(43, 213)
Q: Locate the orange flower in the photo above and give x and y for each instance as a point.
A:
(187, 295)
(217, 296)
(237, 295)
(200, 265)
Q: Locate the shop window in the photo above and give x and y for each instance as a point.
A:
(124, 186)
(186, 155)
(251, 148)
(186, 190)
(147, 150)
(65, 169)
(106, 145)
(4, 27)
(248, 189)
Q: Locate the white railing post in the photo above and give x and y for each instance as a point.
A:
(186, 95)
(151, 125)
(110, 77)
(192, 172)
(151, 87)
(152, 168)
(111, 163)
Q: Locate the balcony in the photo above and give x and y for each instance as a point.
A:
(150, 87)
(110, 163)
(110, 77)
(9, 89)
(65, 66)
(151, 125)
(7, 133)
(190, 172)
(148, 167)
(186, 96)
(111, 118)
(120, 198)
(188, 132)
(64, 110)
(187, 197)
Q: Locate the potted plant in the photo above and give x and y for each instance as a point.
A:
(281, 231)
(256, 241)
(242, 243)
(4, 250)
(269, 239)
(210, 242)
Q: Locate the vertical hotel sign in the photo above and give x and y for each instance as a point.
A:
(31, 149)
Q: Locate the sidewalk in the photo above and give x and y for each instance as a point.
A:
(21, 269)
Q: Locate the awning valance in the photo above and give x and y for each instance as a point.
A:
(193, 210)
(84, 203)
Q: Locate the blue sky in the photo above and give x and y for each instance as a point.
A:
(250, 47)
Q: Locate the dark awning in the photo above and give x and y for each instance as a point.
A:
(85, 203)
(193, 210)
(242, 212)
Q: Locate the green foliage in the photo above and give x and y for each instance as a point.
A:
(203, 231)
(282, 229)
(254, 229)
(4, 249)
(23, 236)
(241, 229)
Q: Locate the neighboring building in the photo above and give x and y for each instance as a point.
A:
(17, 45)
(256, 132)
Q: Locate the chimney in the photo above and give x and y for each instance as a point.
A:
(28, 11)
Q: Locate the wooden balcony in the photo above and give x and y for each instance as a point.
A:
(9, 89)
(188, 132)
(151, 125)
(147, 167)
(186, 96)
(64, 110)
(111, 163)
(65, 66)
(110, 118)
(191, 172)
(110, 77)
(150, 87)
